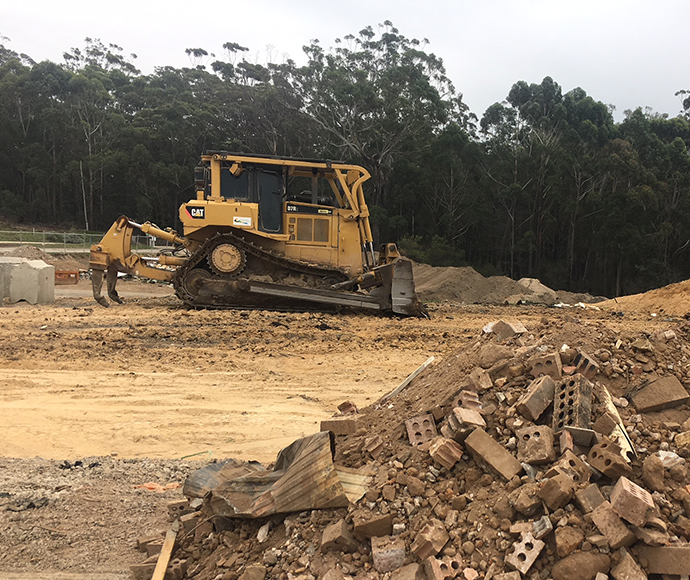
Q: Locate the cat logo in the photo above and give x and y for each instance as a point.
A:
(197, 213)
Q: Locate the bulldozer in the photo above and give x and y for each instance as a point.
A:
(267, 232)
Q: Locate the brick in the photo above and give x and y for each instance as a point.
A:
(431, 540)
(524, 553)
(480, 380)
(586, 366)
(572, 466)
(605, 424)
(442, 569)
(484, 448)
(374, 446)
(542, 527)
(572, 406)
(682, 439)
(409, 572)
(445, 451)
(463, 421)
(338, 537)
(631, 502)
(340, 425)
(628, 569)
(178, 508)
(660, 394)
(565, 441)
(538, 397)
(601, 576)
(535, 445)
(589, 498)
(176, 569)
(388, 553)
(388, 492)
(514, 575)
(557, 491)
(144, 570)
(666, 559)
(421, 429)
(611, 526)
(606, 457)
(155, 547)
(347, 408)
(568, 539)
(368, 525)
(189, 521)
(145, 540)
(548, 365)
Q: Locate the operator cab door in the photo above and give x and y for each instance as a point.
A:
(270, 187)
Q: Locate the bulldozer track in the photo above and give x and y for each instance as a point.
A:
(249, 248)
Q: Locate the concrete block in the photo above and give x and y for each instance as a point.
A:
(632, 502)
(535, 445)
(340, 425)
(538, 397)
(421, 429)
(611, 526)
(445, 451)
(666, 559)
(606, 457)
(29, 280)
(409, 572)
(337, 536)
(663, 393)
(431, 540)
(586, 366)
(628, 569)
(369, 525)
(388, 553)
(548, 365)
(589, 498)
(572, 466)
(485, 449)
(572, 406)
(462, 421)
(557, 491)
(524, 553)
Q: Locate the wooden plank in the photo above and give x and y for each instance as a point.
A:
(166, 552)
(408, 380)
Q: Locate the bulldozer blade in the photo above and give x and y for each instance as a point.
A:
(404, 298)
(111, 280)
(97, 286)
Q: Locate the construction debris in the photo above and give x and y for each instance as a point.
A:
(536, 473)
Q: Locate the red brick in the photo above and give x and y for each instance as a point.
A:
(631, 502)
(524, 553)
(611, 526)
(431, 540)
(178, 508)
(484, 448)
(586, 366)
(660, 394)
(421, 429)
(535, 444)
(549, 365)
(538, 397)
(445, 451)
(606, 457)
(572, 466)
(388, 553)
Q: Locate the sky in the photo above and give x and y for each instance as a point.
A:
(625, 53)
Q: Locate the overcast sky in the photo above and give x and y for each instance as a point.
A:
(626, 53)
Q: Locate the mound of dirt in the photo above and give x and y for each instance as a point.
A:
(60, 261)
(29, 252)
(671, 300)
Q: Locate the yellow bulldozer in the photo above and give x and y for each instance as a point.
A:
(267, 232)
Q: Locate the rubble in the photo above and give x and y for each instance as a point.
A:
(535, 442)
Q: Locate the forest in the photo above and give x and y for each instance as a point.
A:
(543, 184)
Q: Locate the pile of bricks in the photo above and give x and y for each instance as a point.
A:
(534, 460)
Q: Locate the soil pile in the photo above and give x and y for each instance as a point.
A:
(70, 262)
(671, 300)
(454, 510)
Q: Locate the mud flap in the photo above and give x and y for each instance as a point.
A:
(404, 298)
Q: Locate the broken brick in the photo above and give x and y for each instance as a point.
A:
(663, 393)
(347, 408)
(445, 451)
(568, 539)
(442, 569)
(631, 502)
(572, 466)
(586, 366)
(589, 498)
(462, 421)
(484, 448)
(340, 425)
(605, 424)
(535, 444)
(431, 540)
(515, 575)
(421, 429)
(480, 380)
(538, 397)
(178, 508)
(368, 525)
(374, 446)
(628, 569)
(337, 536)
(524, 553)
(388, 553)
(557, 491)
(611, 526)
(606, 457)
(549, 365)
(409, 572)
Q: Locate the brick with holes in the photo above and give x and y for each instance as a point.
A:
(606, 457)
(586, 366)
(535, 444)
(632, 502)
(442, 569)
(572, 408)
(421, 429)
(524, 554)
(431, 540)
(572, 466)
(549, 365)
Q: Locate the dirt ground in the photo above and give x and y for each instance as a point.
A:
(97, 402)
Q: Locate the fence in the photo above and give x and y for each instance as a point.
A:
(67, 241)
